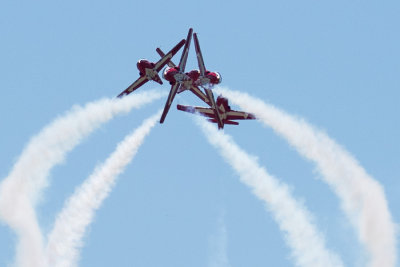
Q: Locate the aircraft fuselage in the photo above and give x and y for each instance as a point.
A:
(174, 75)
(146, 68)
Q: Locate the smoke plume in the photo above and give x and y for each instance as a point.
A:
(362, 198)
(21, 189)
(307, 244)
(65, 239)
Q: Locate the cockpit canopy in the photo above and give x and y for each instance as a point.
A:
(215, 77)
(165, 72)
(194, 74)
(219, 77)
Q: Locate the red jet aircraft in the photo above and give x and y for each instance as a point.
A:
(191, 80)
(220, 111)
(176, 75)
(205, 78)
(149, 70)
(227, 115)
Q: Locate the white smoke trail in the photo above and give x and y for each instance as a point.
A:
(20, 190)
(307, 244)
(362, 198)
(65, 240)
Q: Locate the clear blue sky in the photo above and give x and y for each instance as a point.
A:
(334, 63)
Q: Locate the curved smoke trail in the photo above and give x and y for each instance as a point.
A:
(307, 244)
(65, 240)
(362, 198)
(21, 189)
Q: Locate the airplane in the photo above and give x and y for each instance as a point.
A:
(228, 116)
(190, 76)
(201, 77)
(176, 75)
(149, 70)
(191, 80)
(206, 77)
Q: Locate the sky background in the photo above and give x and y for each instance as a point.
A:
(334, 63)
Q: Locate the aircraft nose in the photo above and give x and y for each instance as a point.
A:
(219, 77)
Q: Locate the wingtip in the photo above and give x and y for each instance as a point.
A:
(162, 118)
(180, 44)
(190, 33)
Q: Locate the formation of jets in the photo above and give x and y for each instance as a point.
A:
(217, 111)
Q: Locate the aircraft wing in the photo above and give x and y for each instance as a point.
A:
(167, 57)
(171, 97)
(196, 90)
(200, 60)
(161, 53)
(211, 112)
(185, 52)
(135, 85)
(239, 115)
(207, 112)
(210, 96)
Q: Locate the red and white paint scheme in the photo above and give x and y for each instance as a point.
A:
(147, 68)
(176, 75)
(225, 114)
(206, 77)
(192, 80)
(149, 71)
(218, 111)
(201, 77)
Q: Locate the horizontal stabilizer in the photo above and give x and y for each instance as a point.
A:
(231, 122)
(225, 122)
